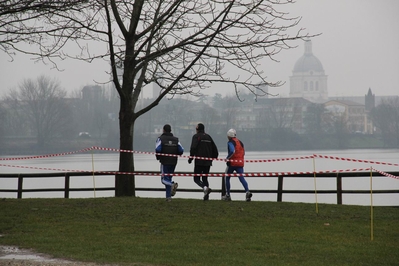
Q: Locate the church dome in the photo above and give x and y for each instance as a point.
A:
(308, 62)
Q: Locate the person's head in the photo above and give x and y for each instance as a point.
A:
(231, 133)
(200, 127)
(167, 128)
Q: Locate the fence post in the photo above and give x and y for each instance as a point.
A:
(280, 188)
(223, 187)
(20, 186)
(66, 191)
(339, 189)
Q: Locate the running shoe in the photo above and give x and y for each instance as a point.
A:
(207, 191)
(226, 198)
(248, 196)
(174, 188)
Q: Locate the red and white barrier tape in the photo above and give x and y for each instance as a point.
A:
(189, 174)
(206, 158)
(160, 154)
(153, 153)
(202, 158)
(45, 156)
(353, 160)
(386, 174)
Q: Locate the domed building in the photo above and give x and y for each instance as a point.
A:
(308, 79)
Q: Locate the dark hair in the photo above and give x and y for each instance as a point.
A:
(167, 128)
(200, 126)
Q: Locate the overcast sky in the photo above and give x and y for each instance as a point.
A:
(358, 49)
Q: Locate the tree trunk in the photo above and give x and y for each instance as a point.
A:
(125, 183)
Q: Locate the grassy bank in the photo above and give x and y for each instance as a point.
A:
(141, 231)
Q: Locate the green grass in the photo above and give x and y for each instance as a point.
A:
(147, 231)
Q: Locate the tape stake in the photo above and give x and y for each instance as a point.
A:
(315, 187)
(371, 206)
(92, 167)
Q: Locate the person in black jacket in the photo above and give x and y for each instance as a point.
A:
(202, 145)
(168, 144)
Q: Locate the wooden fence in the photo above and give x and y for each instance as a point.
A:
(279, 191)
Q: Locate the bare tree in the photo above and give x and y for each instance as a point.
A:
(15, 122)
(209, 118)
(3, 123)
(314, 119)
(228, 112)
(386, 118)
(336, 125)
(284, 113)
(21, 20)
(193, 44)
(43, 103)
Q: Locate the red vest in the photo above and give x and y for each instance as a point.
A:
(238, 154)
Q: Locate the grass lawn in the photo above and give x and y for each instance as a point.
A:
(150, 231)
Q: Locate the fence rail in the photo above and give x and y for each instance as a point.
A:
(279, 191)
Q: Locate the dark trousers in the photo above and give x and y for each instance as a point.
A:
(201, 171)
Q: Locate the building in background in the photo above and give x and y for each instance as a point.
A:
(353, 115)
(308, 79)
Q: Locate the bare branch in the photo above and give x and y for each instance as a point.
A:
(183, 46)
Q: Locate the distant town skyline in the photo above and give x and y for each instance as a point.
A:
(358, 48)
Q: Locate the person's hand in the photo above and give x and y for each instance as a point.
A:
(190, 160)
(228, 163)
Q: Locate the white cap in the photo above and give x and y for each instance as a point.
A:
(231, 133)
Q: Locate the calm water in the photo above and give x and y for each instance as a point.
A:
(147, 162)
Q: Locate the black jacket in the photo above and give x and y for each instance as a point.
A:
(202, 145)
(168, 144)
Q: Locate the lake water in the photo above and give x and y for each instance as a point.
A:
(89, 161)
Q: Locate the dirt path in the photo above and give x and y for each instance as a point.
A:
(14, 256)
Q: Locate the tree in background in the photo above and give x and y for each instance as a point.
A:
(317, 124)
(183, 46)
(3, 123)
(340, 130)
(386, 118)
(15, 122)
(42, 102)
(228, 111)
(211, 119)
(282, 113)
(314, 119)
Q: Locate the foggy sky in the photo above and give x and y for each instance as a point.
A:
(358, 49)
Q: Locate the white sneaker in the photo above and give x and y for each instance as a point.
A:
(174, 188)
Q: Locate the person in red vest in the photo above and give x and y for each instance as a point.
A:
(235, 163)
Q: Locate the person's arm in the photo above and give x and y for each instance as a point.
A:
(194, 145)
(180, 149)
(215, 152)
(230, 149)
(158, 147)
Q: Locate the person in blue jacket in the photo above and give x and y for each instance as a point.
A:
(168, 144)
